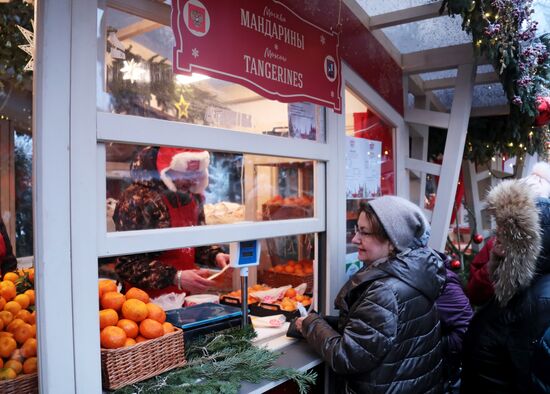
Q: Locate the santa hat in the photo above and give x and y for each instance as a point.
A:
(539, 179)
(184, 160)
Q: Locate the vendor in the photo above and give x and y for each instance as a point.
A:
(7, 259)
(167, 191)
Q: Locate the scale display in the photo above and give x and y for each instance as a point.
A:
(245, 254)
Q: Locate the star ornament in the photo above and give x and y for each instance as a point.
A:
(182, 107)
(28, 48)
(132, 71)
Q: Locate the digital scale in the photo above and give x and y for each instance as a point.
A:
(244, 254)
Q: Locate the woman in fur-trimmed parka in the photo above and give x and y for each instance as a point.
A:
(499, 345)
(387, 338)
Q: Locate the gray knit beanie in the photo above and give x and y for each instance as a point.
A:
(403, 221)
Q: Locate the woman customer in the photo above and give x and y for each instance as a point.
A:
(501, 340)
(388, 335)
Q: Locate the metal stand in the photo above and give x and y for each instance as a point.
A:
(244, 294)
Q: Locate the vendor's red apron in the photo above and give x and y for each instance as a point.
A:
(180, 259)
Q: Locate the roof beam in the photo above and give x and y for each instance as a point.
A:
(136, 29)
(406, 15)
(490, 111)
(439, 59)
(445, 83)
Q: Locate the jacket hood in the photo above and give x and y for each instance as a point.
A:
(543, 262)
(421, 268)
(515, 211)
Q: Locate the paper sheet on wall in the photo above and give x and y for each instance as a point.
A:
(363, 168)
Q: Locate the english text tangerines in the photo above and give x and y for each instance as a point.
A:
(107, 317)
(135, 310)
(138, 294)
(112, 337)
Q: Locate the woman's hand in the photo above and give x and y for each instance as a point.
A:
(193, 281)
(298, 324)
(222, 259)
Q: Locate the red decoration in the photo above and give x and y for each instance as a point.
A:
(478, 238)
(543, 117)
(455, 264)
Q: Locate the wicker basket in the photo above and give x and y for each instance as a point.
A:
(124, 366)
(278, 279)
(23, 384)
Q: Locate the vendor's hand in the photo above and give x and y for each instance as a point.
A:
(222, 259)
(298, 323)
(194, 281)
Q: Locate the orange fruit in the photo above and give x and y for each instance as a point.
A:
(135, 310)
(138, 294)
(6, 334)
(31, 295)
(107, 317)
(32, 318)
(25, 315)
(308, 270)
(7, 374)
(11, 276)
(289, 269)
(130, 327)
(7, 346)
(23, 300)
(2, 303)
(6, 317)
(129, 342)
(167, 327)
(106, 285)
(156, 313)
(13, 307)
(1, 325)
(30, 365)
(22, 333)
(292, 263)
(112, 300)
(150, 329)
(112, 337)
(33, 328)
(29, 348)
(290, 293)
(14, 324)
(140, 339)
(278, 268)
(299, 298)
(1, 363)
(15, 365)
(7, 290)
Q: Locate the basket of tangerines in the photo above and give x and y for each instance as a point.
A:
(18, 362)
(291, 273)
(136, 341)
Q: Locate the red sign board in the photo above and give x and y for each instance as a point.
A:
(260, 44)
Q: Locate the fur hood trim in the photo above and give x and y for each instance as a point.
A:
(514, 208)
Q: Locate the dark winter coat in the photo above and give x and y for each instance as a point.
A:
(8, 261)
(499, 345)
(142, 206)
(455, 314)
(541, 365)
(388, 337)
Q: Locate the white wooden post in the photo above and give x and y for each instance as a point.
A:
(452, 157)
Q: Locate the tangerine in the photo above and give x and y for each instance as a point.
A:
(129, 342)
(13, 307)
(29, 348)
(150, 329)
(112, 337)
(156, 313)
(292, 263)
(167, 327)
(138, 294)
(31, 295)
(22, 333)
(290, 293)
(15, 365)
(11, 276)
(6, 317)
(7, 346)
(289, 269)
(14, 324)
(7, 374)
(106, 285)
(23, 300)
(112, 300)
(107, 317)
(2, 303)
(130, 327)
(135, 310)
(25, 315)
(30, 365)
(30, 271)
(7, 290)
(278, 268)
(140, 339)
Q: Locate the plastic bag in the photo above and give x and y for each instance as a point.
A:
(169, 301)
(274, 321)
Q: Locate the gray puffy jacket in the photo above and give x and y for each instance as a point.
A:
(388, 338)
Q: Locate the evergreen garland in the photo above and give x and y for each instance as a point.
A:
(504, 31)
(219, 363)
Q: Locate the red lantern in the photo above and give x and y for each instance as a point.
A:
(543, 117)
(455, 264)
(478, 238)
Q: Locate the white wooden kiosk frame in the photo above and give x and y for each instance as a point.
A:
(70, 173)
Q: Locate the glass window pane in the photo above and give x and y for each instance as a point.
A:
(137, 80)
(160, 187)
